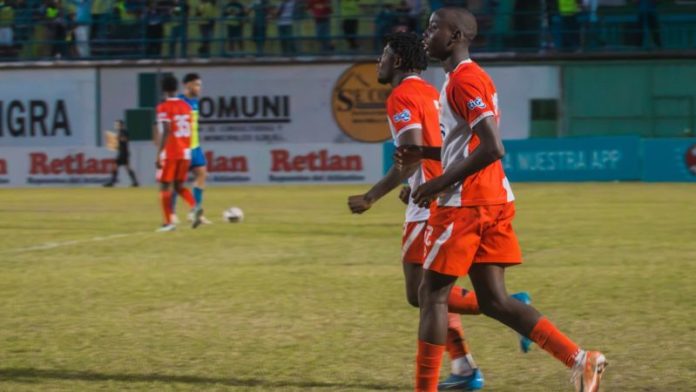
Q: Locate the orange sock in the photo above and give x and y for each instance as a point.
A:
(188, 196)
(166, 200)
(463, 301)
(428, 363)
(548, 337)
(456, 343)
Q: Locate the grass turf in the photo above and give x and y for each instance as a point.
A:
(304, 296)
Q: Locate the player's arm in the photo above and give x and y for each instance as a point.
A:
(163, 129)
(408, 154)
(488, 151)
(394, 177)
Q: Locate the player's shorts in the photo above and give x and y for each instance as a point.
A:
(197, 157)
(173, 170)
(412, 242)
(457, 237)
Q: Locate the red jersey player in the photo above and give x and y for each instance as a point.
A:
(470, 230)
(412, 109)
(174, 123)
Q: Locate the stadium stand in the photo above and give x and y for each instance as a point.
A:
(136, 29)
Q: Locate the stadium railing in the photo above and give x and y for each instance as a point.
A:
(547, 34)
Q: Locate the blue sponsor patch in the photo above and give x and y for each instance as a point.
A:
(476, 103)
(404, 116)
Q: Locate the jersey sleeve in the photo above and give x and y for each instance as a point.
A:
(403, 114)
(162, 117)
(472, 102)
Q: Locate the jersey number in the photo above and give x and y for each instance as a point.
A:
(183, 125)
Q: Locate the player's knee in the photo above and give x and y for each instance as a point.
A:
(494, 307)
(412, 298)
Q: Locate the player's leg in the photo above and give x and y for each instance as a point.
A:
(200, 172)
(165, 176)
(432, 330)
(465, 374)
(498, 242)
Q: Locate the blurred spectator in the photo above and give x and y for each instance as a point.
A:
(416, 10)
(649, 23)
(56, 22)
(321, 11)
(570, 24)
(261, 10)
(154, 29)
(591, 38)
(83, 21)
(7, 16)
(101, 14)
(235, 15)
(384, 25)
(350, 10)
(208, 13)
(401, 21)
(286, 20)
(178, 15)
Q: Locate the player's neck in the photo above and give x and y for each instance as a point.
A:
(458, 55)
(399, 77)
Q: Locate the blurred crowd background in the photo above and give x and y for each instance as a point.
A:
(109, 29)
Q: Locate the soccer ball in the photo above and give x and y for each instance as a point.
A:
(233, 215)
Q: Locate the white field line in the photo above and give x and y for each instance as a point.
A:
(62, 244)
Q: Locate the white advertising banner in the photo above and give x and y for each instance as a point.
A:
(228, 164)
(51, 107)
(314, 103)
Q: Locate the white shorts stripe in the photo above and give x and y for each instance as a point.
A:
(417, 230)
(436, 248)
(481, 117)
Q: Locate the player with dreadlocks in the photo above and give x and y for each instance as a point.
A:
(413, 116)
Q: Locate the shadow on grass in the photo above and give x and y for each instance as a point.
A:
(29, 375)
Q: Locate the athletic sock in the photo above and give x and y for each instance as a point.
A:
(462, 361)
(463, 301)
(166, 200)
(548, 337)
(186, 194)
(174, 202)
(428, 363)
(198, 195)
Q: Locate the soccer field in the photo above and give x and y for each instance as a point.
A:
(304, 296)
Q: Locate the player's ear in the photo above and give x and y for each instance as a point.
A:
(397, 62)
(457, 36)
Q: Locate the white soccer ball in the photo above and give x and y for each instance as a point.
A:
(233, 215)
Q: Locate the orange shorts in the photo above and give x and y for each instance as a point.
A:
(173, 170)
(413, 242)
(458, 237)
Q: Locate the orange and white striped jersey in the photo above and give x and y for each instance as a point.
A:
(415, 104)
(468, 97)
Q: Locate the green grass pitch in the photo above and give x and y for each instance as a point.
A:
(303, 296)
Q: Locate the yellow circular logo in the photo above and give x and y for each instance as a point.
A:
(359, 104)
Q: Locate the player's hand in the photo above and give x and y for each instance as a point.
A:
(426, 193)
(405, 194)
(359, 204)
(407, 155)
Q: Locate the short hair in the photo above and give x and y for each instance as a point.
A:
(191, 77)
(170, 84)
(410, 48)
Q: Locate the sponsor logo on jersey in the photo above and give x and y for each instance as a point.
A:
(404, 116)
(476, 103)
